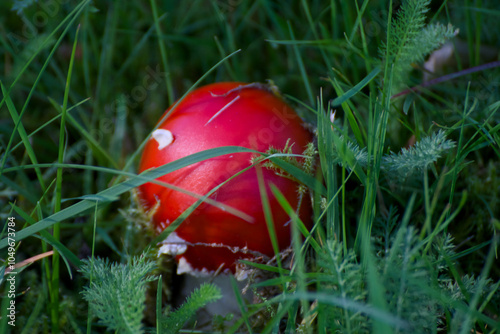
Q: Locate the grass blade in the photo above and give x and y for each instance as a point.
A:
(112, 193)
(356, 89)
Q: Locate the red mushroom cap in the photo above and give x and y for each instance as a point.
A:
(223, 114)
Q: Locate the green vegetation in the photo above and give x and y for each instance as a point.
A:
(406, 192)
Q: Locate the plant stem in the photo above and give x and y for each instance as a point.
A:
(163, 51)
(57, 207)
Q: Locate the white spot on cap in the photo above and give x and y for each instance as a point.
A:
(163, 138)
(173, 245)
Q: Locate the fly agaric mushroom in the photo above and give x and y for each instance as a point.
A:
(223, 114)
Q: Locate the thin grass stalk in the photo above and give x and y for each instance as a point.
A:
(159, 303)
(69, 20)
(241, 304)
(325, 149)
(368, 67)
(302, 68)
(91, 276)
(54, 297)
(312, 26)
(298, 269)
(458, 158)
(269, 218)
(377, 133)
(19, 127)
(477, 36)
(164, 55)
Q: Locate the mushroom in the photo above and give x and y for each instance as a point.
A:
(212, 239)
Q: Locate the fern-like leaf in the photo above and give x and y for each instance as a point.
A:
(429, 39)
(410, 40)
(344, 276)
(383, 229)
(174, 321)
(117, 292)
(410, 19)
(418, 157)
(404, 272)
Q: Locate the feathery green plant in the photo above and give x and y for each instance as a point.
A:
(344, 275)
(117, 295)
(417, 157)
(360, 154)
(404, 270)
(410, 276)
(411, 39)
(173, 321)
(117, 292)
(409, 161)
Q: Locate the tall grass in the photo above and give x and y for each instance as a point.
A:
(405, 195)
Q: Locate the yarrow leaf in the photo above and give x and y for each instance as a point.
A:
(411, 40)
(205, 294)
(416, 158)
(117, 292)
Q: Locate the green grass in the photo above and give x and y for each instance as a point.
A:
(407, 191)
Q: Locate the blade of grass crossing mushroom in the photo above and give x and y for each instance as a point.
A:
(176, 223)
(94, 197)
(112, 193)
